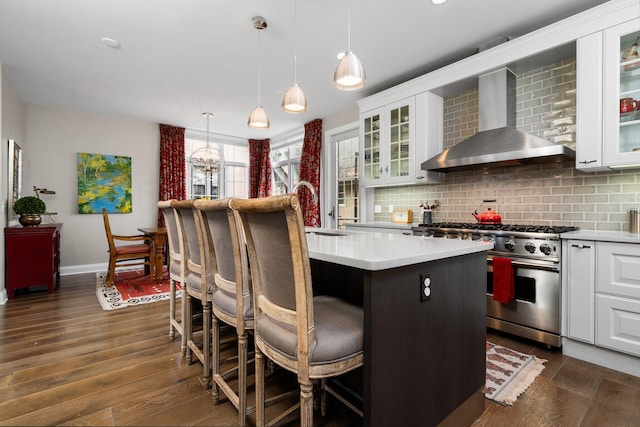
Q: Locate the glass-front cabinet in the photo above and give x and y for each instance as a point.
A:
(388, 144)
(622, 95)
(371, 166)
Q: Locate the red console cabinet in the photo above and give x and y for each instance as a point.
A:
(32, 257)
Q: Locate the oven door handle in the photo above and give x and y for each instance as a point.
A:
(553, 268)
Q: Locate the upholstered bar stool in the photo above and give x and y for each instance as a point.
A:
(177, 268)
(316, 338)
(222, 245)
(197, 286)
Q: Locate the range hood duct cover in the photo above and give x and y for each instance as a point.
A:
(498, 143)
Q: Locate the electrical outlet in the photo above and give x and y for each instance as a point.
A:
(390, 208)
(425, 287)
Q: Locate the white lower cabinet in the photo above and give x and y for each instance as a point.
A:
(603, 294)
(619, 269)
(618, 323)
(618, 297)
(581, 290)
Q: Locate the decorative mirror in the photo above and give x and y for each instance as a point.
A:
(14, 179)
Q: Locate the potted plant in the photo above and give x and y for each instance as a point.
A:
(29, 208)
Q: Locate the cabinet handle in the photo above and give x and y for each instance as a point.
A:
(581, 246)
(407, 233)
(586, 162)
(420, 177)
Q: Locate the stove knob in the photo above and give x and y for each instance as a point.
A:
(545, 248)
(530, 246)
(511, 245)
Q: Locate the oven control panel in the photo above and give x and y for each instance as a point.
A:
(510, 245)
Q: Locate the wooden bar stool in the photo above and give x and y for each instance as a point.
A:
(197, 286)
(224, 251)
(315, 337)
(177, 270)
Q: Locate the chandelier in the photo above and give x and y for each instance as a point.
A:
(208, 160)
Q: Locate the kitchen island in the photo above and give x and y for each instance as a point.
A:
(424, 303)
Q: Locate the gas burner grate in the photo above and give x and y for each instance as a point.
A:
(501, 227)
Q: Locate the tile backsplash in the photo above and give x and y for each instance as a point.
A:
(551, 194)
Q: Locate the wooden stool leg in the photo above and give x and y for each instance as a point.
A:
(183, 318)
(206, 345)
(215, 359)
(306, 405)
(188, 326)
(259, 374)
(242, 378)
(172, 308)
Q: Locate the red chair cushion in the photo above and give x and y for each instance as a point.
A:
(133, 249)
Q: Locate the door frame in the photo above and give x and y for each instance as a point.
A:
(329, 173)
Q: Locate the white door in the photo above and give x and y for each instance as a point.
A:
(342, 196)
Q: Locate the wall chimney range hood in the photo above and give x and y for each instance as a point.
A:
(498, 143)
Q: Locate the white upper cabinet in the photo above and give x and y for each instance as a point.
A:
(622, 95)
(589, 133)
(395, 139)
(608, 98)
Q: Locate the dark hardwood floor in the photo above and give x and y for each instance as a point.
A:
(65, 361)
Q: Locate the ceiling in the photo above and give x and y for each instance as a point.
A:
(179, 59)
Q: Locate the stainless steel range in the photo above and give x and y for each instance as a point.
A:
(535, 256)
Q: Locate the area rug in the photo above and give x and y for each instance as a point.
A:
(132, 287)
(509, 373)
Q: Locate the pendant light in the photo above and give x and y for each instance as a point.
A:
(258, 117)
(294, 100)
(207, 160)
(349, 74)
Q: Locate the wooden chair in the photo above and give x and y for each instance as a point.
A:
(223, 248)
(126, 254)
(177, 270)
(197, 285)
(315, 337)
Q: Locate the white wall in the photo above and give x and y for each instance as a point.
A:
(53, 138)
(12, 126)
(340, 119)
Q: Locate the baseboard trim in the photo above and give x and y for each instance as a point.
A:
(601, 356)
(468, 411)
(93, 268)
(84, 268)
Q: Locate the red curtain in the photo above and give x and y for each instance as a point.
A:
(310, 171)
(259, 168)
(173, 177)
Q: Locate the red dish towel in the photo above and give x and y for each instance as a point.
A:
(503, 282)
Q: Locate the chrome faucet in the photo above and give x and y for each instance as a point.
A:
(310, 187)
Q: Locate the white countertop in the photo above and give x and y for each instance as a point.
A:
(379, 251)
(602, 235)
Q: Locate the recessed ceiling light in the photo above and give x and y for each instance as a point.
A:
(110, 42)
(438, 1)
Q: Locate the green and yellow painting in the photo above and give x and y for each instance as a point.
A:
(104, 182)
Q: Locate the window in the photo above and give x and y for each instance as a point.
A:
(285, 162)
(231, 181)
